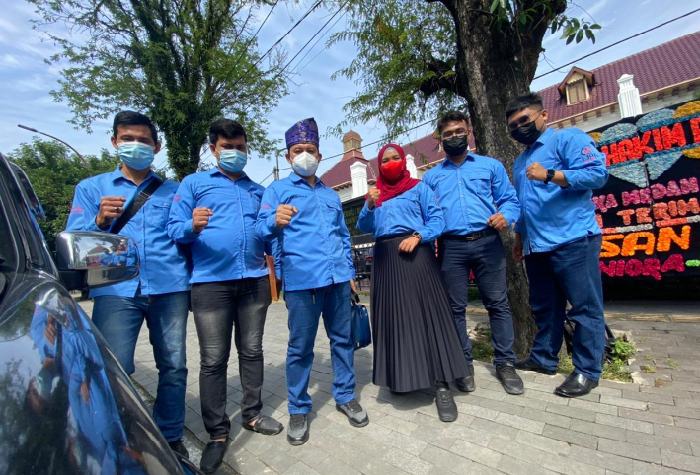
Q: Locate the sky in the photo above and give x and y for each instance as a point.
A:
(26, 78)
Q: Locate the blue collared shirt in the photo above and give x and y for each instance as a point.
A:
(414, 210)
(228, 248)
(163, 267)
(472, 192)
(315, 245)
(553, 215)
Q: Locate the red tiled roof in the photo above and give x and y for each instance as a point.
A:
(670, 63)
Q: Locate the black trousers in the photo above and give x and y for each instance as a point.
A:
(219, 308)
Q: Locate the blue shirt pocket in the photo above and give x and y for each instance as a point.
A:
(158, 213)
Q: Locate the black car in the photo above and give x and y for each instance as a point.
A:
(66, 404)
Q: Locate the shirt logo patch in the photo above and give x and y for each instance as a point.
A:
(177, 198)
(77, 210)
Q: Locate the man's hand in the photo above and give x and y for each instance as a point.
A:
(517, 248)
(498, 222)
(284, 215)
(409, 244)
(200, 218)
(536, 172)
(372, 197)
(110, 208)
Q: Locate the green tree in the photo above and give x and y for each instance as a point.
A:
(185, 63)
(416, 59)
(54, 172)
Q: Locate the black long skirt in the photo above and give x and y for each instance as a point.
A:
(414, 336)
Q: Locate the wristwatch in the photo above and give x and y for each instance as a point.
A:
(550, 175)
(417, 234)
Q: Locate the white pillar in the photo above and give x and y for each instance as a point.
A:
(629, 99)
(411, 166)
(358, 176)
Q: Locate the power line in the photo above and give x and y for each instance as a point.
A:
(279, 40)
(619, 41)
(299, 67)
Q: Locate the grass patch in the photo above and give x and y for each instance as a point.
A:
(673, 364)
(482, 349)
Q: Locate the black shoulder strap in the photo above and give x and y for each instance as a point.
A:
(135, 205)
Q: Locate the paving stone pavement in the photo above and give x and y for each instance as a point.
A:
(650, 426)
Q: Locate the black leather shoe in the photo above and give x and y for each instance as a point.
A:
(213, 455)
(354, 412)
(179, 447)
(262, 424)
(575, 385)
(445, 403)
(466, 384)
(298, 429)
(509, 379)
(526, 364)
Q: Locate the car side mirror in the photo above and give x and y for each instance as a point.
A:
(103, 258)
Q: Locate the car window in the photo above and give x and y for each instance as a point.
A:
(8, 249)
(26, 219)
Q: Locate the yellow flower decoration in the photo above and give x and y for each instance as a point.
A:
(685, 110)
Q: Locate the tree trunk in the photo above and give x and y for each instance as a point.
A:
(490, 73)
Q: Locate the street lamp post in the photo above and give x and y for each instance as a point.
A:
(31, 129)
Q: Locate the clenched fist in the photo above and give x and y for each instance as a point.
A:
(372, 197)
(200, 219)
(110, 208)
(498, 222)
(284, 215)
(536, 172)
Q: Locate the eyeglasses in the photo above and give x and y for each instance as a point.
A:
(525, 119)
(458, 133)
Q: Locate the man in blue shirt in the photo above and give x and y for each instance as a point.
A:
(306, 218)
(478, 201)
(560, 238)
(159, 294)
(214, 212)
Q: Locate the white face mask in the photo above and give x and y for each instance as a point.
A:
(304, 164)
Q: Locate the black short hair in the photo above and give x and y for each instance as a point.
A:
(521, 102)
(226, 128)
(451, 116)
(134, 118)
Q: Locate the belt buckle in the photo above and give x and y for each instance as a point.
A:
(471, 237)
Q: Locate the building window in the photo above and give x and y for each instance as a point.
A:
(576, 91)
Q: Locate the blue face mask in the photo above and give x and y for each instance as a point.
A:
(233, 160)
(136, 155)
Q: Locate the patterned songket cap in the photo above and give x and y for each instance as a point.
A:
(304, 131)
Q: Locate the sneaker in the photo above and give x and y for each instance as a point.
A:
(509, 378)
(445, 403)
(354, 412)
(298, 429)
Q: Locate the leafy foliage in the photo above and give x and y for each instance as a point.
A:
(408, 53)
(54, 173)
(185, 63)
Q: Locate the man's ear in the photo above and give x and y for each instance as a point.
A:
(287, 157)
(212, 149)
(114, 141)
(156, 149)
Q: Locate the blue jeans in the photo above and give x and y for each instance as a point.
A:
(568, 273)
(304, 308)
(486, 257)
(119, 320)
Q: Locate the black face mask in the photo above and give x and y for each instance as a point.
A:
(455, 146)
(526, 134)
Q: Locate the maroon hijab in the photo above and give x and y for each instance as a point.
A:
(391, 188)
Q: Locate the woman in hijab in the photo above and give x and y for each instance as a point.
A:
(415, 342)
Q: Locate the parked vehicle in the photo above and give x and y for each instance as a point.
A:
(66, 404)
